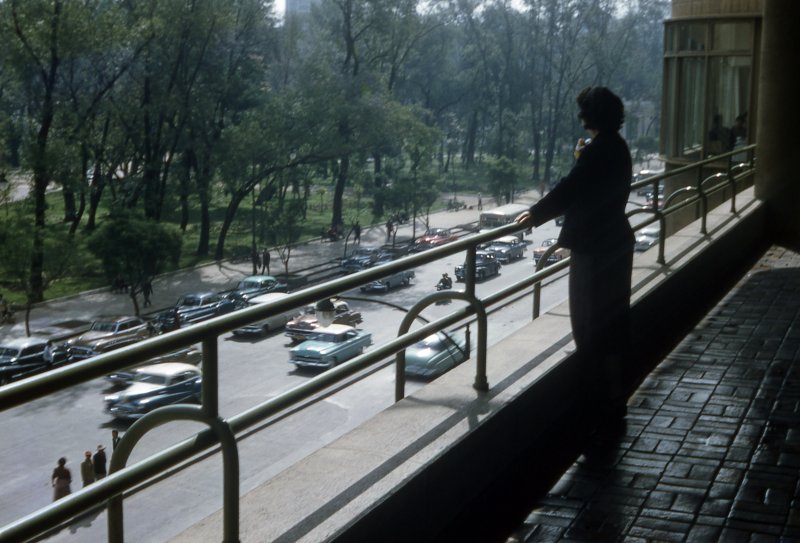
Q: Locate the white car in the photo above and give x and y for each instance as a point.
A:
(265, 326)
(155, 386)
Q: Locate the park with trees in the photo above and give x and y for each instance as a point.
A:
(193, 129)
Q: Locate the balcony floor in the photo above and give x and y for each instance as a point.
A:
(711, 449)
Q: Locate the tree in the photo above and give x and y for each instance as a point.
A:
(503, 179)
(135, 250)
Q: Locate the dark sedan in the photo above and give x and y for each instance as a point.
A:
(20, 357)
(155, 386)
(196, 307)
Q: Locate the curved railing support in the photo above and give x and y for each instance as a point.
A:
(537, 287)
(481, 383)
(230, 464)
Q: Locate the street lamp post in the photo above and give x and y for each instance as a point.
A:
(254, 252)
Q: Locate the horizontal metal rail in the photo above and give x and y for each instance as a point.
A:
(110, 488)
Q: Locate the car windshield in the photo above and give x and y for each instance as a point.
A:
(190, 301)
(433, 343)
(150, 378)
(8, 351)
(548, 242)
(243, 285)
(363, 252)
(329, 338)
(98, 326)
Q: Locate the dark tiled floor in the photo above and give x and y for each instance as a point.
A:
(711, 451)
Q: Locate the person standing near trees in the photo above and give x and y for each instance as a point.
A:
(265, 257)
(592, 198)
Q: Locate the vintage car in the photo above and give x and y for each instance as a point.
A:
(255, 285)
(302, 326)
(507, 248)
(187, 355)
(155, 386)
(361, 259)
(385, 284)
(108, 333)
(434, 237)
(265, 326)
(436, 354)
(329, 346)
(646, 238)
(559, 254)
(20, 357)
(196, 307)
(486, 265)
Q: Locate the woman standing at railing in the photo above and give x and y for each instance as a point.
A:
(592, 198)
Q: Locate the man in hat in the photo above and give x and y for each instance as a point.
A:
(87, 469)
(99, 461)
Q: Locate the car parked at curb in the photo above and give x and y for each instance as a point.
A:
(187, 355)
(195, 307)
(436, 354)
(255, 285)
(507, 248)
(486, 265)
(108, 333)
(558, 255)
(434, 237)
(329, 346)
(301, 327)
(269, 324)
(20, 357)
(360, 259)
(155, 386)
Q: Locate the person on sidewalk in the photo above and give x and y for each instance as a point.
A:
(114, 440)
(356, 232)
(99, 462)
(592, 198)
(265, 257)
(147, 291)
(87, 469)
(61, 479)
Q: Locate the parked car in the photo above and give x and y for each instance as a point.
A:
(20, 357)
(265, 326)
(647, 189)
(646, 238)
(302, 326)
(108, 333)
(155, 386)
(187, 355)
(486, 265)
(385, 284)
(329, 346)
(559, 254)
(360, 259)
(255, 285)
(434, 237)
(436, 354)
(507, 248)
(196, 307)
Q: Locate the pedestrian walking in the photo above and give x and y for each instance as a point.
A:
(114, 439)
(265, 258)
(592, 197)
(389, 230)
(87, 469)
(356, 232)
(480, 201)
(147, 291)
(61, 479)
(99, 462)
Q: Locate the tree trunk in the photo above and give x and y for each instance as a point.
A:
(338, 191)
(230, 214)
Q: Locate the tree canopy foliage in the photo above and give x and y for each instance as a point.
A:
(155, 109)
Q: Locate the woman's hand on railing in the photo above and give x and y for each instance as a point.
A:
(525, 219)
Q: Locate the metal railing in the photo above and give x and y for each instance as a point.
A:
(224, 431)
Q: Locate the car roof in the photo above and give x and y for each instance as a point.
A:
(22, 342)
(507, 239)
(200, 294)
(268, 297)
(166, 368)
(334, 329)
(114, 318)
(258, 278)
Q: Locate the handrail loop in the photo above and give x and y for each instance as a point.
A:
(481, 383)
(230, 464)
(537, 287)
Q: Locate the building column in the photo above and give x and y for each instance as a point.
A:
(778, 122)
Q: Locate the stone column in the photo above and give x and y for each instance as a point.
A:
(778, 122)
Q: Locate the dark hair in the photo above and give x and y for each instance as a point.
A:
(62, 461)
(600, 109)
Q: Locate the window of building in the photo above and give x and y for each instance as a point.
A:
(708, 91)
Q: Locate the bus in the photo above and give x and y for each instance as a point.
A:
(501, 216)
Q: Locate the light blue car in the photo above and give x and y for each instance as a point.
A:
(329, 346)
(436, 354)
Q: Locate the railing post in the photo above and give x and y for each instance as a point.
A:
(210, 390)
